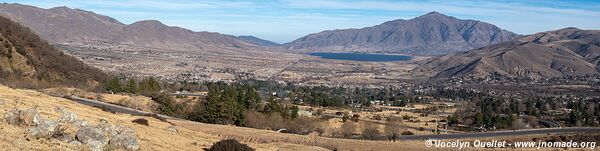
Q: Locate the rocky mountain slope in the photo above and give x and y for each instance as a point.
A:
(430, 34)
(258, 41)
(66, 25)
(564, 52)
(27, 60)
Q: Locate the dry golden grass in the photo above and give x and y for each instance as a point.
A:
(132, 101)
(153, 137)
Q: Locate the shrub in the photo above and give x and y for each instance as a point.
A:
(141, 121)
(347, 129)
(370, 131)
(377, 117)
(355, 117)
(229, 145)
(408, 133)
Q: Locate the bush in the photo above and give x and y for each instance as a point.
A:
(370, 131)
(141, 121)
(377, 117)
(229, 145)
(407, 133)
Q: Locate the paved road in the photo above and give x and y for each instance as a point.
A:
(120, 109)
(114, 108)
(549, 123)
(504, 133)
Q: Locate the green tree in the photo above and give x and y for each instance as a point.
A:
(132, 87)
(479, 119)
(167, 105)
(114, 85)
(294, 111)
(149, 86)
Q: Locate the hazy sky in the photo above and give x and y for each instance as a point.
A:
(285, 20)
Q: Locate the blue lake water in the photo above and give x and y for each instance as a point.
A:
(361, 56)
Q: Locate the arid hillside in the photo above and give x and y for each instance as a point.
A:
(558, 53)
(27, 60)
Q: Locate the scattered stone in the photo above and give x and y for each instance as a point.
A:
(66, 116)
(80, 123)
(172, 129)
(44, 129)
(96, 145)
(64, 137)
(120, 129)
(141, 121)
(75, 142)
(107, 128)
(12, 117)
(125, 141)
(94, 137)
(29, 117)
(103, 121)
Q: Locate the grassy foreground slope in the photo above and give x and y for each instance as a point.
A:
(152, 137)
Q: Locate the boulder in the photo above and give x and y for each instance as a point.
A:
(125, 141)
(107, 128)
(120, 129)
(75, 142)
(29, 117)
(172, 129)
(92, 136)
(44, 129)
(96, 145)
(12, 117)
(66, 116)
(80, 123)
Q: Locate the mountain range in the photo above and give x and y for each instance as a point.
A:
(66, 25)
(463, 47)
(431, 34)
(29, 61)
(564, 52)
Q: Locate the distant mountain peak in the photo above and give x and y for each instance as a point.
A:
(570, 28)
(60, 8)
(434, 15)
(149, 22)
(430, 34)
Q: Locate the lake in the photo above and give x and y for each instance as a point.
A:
(361, 56)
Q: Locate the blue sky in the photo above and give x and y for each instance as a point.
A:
(285, 20)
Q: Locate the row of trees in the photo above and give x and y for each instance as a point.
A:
(510, 113)
(228, 103)
(147, 86)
